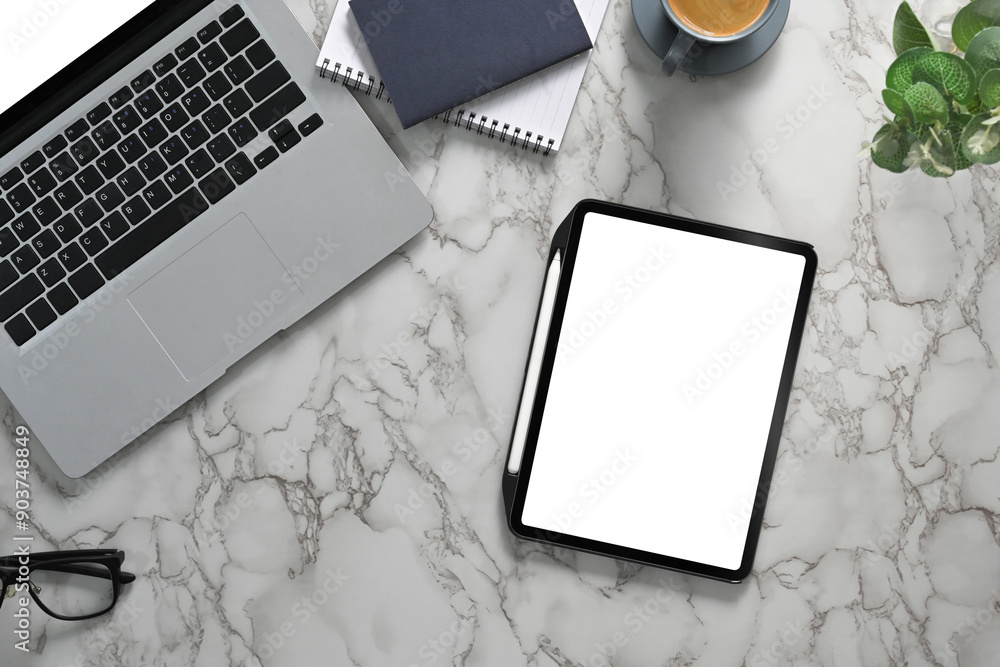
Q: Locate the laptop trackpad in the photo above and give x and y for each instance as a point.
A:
(217, 299)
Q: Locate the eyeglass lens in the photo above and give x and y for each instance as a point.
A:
(90, 590)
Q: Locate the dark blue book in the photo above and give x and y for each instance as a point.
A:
(434, 55)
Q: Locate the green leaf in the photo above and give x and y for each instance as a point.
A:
(989, 88)
(898, 105)
(954, 129)
(908, 32)
(941, 162)
(984, 51)
(899, 76)
(890, 148)
(971, 19)
(980, 143)
(952, 76)
(927, 103)
(975, 106)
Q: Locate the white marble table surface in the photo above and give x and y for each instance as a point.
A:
(335, 498)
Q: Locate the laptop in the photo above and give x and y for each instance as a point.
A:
(176, 186)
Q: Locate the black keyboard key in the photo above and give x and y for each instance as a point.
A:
(8, 241)
(217, 85)
(25, 227)
(131, 181)
(174, 118)
(237, 104)
(216, 119)
(195, 101)
(63, 166)
(155, 230)
(6, 212)
(143, 81)
(99, 113)
(41, 314)
(41, 182)
(62, 298)
(169, 88)
(77, 130)
(195, 134)
(20, 330)
(25, 259)
(53, 147)
(199, 163)
(216, 185)
(239, 37)
(239, 70)
(242, 132)
(11, 178)
(131, 148)
(152, 165)
(288, 140)
(20, 295)
(135, 210)
(93, 241)
(268, 81)
(46, 211)
(45, 243)
(240, 168)
(310, 124)
(111, 164)
(51, 272)
(187, 49)
(114, 226)
(178, 179)
(121, 97)
(68, 195)
(8, 275)
(106, 135)
(209, 32)
(231, 16)
(212, 57)
(173, 150)
(110, 197)
(33, 162)
(190, 73)
(153, 133)
(156, 195)
(72, 257)
(277, 106)
(165, 64)
(148, 103)
(89, 180)
(85, 151)
(67, 228)
(86, 281)
(88, 213)
(280, 130)
(20, 198)
(221, 147)
(260, 54)
(127, 119)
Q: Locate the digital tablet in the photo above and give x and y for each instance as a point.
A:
(656, 388)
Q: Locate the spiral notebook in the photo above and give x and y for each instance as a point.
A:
(531, 114)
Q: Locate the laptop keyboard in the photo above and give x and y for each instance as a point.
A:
(139, 167)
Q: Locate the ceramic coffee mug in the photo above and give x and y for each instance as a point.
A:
(712, 22)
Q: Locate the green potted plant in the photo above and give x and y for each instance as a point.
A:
(946, 107)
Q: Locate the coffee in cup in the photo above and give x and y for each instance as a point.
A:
(712, 22)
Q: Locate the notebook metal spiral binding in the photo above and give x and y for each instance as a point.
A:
(356, 81)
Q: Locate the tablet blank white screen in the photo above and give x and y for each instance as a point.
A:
(662, 393)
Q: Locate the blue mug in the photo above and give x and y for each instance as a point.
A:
(688, 34)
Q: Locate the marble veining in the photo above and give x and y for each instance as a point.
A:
(335, 499)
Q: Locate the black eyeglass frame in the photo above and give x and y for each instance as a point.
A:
(73, 562)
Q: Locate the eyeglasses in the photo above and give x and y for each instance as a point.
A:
(68, 585)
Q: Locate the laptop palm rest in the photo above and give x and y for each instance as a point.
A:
(217, 300)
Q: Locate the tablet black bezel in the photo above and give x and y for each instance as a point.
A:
(576, 222)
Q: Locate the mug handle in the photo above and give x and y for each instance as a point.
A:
(678, 50)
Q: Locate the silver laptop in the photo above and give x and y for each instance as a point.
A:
(176, 186)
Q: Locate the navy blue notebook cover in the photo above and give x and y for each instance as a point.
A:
(434, 55)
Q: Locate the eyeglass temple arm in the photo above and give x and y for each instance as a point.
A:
(126, 577)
